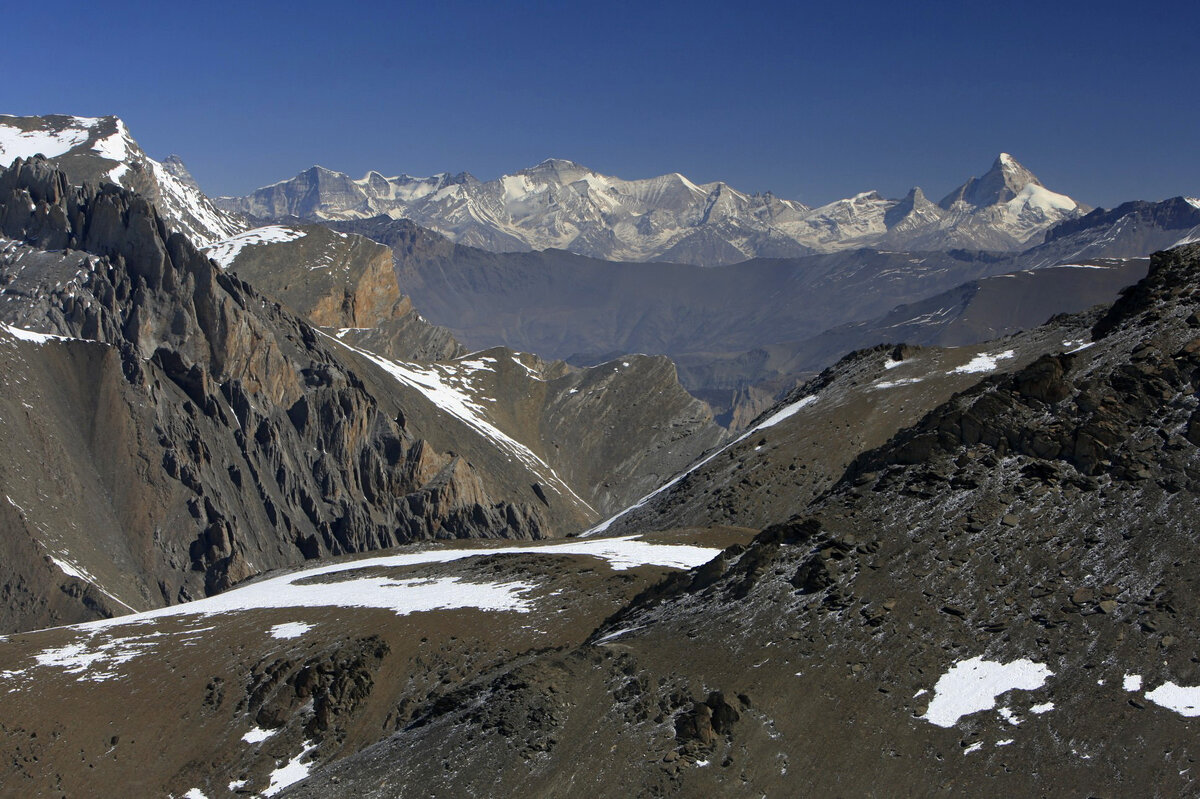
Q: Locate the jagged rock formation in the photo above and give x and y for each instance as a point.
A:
(99, 149)
(340, 282)
(216, 434)
(995, 601)
(563, 205)
(612, 431)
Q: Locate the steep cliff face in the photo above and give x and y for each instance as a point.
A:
(337, 281)
(611, 432)
(195, 432)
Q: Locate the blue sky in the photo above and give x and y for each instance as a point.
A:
(810, 101)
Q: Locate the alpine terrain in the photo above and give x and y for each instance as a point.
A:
(565, 485)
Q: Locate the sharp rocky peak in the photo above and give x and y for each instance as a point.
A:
(999, 184)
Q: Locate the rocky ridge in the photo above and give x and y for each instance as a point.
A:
(98, 149)
(613, 431)
(218, 434)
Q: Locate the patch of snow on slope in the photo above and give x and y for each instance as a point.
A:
(1132, 682)
(258, 735)
(226, 252)
(973, 685)
(984, 362)
(290, 772)
(16, 143)
(95, 663)
(30, 335)
(1183, 700)
(291, 629)
(904, 381)
(304, 589)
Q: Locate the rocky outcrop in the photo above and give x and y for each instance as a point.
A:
(230, 437)
(345, 283)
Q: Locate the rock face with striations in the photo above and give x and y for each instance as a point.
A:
(342, 282)
(202, 432)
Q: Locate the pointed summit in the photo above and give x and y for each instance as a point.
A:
(174, 164)
(999, 184)
(913, 202)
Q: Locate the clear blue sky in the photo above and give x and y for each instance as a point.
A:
(810, 101)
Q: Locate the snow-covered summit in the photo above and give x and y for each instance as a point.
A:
(102, 149)
(563, 204)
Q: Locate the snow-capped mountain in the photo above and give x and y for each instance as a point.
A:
(1006, 209)
(101, 149)
(556, 204)
(561, 204)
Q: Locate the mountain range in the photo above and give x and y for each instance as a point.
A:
(559, 204)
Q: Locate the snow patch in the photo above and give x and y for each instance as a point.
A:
(984, 362)
(786, 413)
(95, 663)
(291, 772)
(226, 252)
(258, 735)
(291, 629)
(16, 143)
(354, 589)
(975, 747)
(904, 381)
(30, 335)
(1045, 707)
(1132, 682)
(973, 685)
(1184, 700)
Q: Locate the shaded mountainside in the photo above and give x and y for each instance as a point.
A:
(562, 305)
(976, 311)
(612, 432)
(1131, 230)
(996, 601)
(562, 205)
(218, 434)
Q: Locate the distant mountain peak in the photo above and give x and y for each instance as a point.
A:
(1001, 183)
